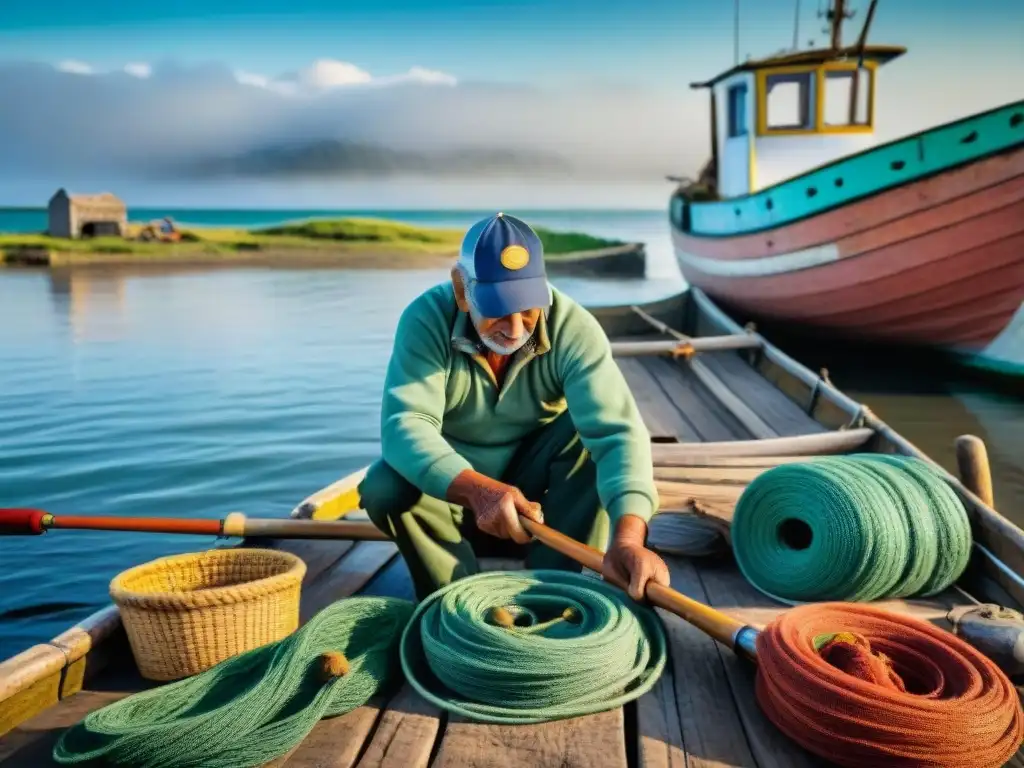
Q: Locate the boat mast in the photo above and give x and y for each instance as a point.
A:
(836, 14)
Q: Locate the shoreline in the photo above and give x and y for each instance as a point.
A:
(340, 243)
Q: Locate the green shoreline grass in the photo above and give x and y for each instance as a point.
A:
(313, 240)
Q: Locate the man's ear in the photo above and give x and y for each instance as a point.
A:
(460, 289)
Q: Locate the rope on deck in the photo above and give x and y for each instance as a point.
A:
(254, 707)
(532, 646)
(863, 687)
(856, 528)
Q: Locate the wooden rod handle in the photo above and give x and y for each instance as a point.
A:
(719, 626)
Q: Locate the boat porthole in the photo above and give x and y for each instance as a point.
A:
(769, 204)
(1016, 119)
(737, 211)
(897, 165)
(969, 138)
(839, 182)
(812, 191)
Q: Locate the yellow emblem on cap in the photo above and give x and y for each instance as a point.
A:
(515, 257)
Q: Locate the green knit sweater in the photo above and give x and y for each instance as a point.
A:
(443, 412)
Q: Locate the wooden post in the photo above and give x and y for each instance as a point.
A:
(972, 463)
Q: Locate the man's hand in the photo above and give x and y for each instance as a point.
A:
(628, 561)
(496, 506)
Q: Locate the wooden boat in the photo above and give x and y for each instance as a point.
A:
(721, 404)
(801, 217)
(627, 261)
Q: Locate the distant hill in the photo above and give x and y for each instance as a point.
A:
(333, 158)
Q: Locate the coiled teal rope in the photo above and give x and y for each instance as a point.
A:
(578, 646)
(855, 528)
(254, 707)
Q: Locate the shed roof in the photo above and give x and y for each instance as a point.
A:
(881, 54)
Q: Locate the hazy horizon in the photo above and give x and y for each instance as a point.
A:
(311, 105)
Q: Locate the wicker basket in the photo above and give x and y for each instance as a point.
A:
(185, 613)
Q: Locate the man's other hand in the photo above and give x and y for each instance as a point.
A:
(629, 562)
(495, 505)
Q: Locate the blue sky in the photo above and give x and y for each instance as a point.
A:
(649, 42)
(605, 80)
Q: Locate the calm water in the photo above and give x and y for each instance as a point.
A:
(201, 393)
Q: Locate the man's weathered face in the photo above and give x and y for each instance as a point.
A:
(501, 335)
(505, 335)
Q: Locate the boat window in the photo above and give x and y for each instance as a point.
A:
(788, 101)
(738, 110)
(839, 91)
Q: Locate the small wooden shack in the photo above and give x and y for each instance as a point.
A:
(102, 215)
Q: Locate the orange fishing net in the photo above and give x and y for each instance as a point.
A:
(863, 687)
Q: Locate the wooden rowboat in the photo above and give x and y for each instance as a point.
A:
(806, 220)
(721, 404)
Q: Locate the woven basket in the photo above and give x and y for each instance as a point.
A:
(185, 613)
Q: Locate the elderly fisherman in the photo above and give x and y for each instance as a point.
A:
(502, 399)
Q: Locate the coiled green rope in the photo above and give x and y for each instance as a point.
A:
(254, 707)
(577, 646)
(855, 528)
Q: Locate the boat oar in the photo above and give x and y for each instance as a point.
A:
(725, 629)
(28, 522)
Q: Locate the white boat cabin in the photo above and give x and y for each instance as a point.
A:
(776, 118)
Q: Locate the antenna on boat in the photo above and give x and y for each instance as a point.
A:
(863, 39)
(796, 27)
(736, 35)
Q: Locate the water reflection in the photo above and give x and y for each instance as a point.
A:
(92, 300)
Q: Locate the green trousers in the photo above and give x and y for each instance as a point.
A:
(440, 541)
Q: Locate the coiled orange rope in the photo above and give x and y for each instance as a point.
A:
(862, 687)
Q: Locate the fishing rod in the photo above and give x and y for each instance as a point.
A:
(34, 522)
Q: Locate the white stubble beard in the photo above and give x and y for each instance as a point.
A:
(494, 346)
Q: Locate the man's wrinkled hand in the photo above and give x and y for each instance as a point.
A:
(635, 565)
(496, 506)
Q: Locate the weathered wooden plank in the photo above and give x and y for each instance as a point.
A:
(350, 574)
(661, 416)
(29, 684)
(31, 744)
(734, 401)
(636, 348)
(709, 419)
(711, 730)
(828, 443)
(582, 742)
(777, 410)
(318, 554)
(659, 736)
(334, 742)
(709, 475)
(681, 496)
(405, 735)
(726, 462)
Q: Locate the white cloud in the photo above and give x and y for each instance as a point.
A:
(331, 74)
(74, 67)
(140, 69)
(146, 127)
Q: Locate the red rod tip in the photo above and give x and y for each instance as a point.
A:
(21, 522)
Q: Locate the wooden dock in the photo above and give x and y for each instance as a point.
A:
(699, 407)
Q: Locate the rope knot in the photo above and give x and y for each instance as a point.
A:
(851, 653)
(333, 664)
(503, 617)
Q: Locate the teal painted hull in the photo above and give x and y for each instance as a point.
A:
(858, 176)
(990, 365)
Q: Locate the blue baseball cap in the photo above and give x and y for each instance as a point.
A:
(504, 262)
